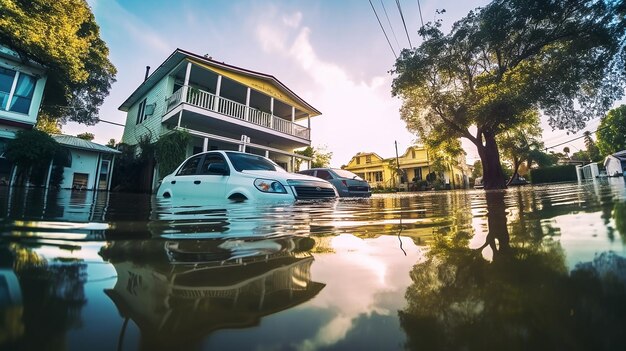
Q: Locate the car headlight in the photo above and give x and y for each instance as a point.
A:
(269, 186)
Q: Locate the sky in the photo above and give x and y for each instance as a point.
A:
(333, 54)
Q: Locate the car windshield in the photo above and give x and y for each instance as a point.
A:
(346, 174)
(249, 162)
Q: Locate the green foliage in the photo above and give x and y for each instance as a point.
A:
(112, 143)
(321, 157)
(86, 136)
(31, 147)
(503, 63)
(171, 150)
(478, 169)
(611, 132)
(554, 174)
(47, 124)
(63, 36)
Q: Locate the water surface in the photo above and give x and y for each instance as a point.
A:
(534, 267)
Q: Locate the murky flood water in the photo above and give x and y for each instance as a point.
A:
(528, 268)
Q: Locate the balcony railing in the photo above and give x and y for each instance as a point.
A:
(211, 102)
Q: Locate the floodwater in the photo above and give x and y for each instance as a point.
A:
(529, 268)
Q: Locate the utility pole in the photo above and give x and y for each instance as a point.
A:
(398, 166)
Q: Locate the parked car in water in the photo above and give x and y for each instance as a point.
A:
(518, 181)
(347, 183)
(238, 176)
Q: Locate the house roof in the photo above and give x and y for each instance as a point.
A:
(78, 143)
(179, 55)
(620, 154)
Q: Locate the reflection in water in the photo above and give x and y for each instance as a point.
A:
(44, 304)
(521, 297)
(527, 268)
(178, 291)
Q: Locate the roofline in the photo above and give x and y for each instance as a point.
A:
(188, 54)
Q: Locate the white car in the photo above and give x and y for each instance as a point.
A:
(238, 176)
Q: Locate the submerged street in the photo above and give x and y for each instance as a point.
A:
(540, 267)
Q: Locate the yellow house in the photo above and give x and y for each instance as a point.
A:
(415, 165)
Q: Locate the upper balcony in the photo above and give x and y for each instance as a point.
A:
(252, 117)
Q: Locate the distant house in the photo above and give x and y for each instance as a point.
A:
(87, 165)
(616, 164)
(21, 91)
(415, 164)
(222, 107)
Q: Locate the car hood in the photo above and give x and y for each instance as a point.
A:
(281, 176)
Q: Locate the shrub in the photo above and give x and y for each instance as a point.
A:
(554, 174)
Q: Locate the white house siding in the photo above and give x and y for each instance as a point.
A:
(614, 166)
(82, 162)
(152, 124)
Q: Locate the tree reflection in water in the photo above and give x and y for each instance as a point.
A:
(522, 299)
(52, 297)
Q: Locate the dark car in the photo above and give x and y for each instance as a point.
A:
(347, 183)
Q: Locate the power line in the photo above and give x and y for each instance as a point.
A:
(419, 8)
(383, 29)
(388, 21)
(403, 22)
(579, 137)
(109, 122)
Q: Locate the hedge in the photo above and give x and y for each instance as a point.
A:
(554, 174)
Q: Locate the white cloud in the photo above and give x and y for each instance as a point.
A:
(293, 20)
(357, 115)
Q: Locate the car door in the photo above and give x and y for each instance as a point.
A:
(183, 183)
(213, 177)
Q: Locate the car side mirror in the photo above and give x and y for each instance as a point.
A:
(218, 168)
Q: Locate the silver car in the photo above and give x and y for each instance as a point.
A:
(347, 183)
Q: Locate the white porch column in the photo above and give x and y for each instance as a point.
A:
(293, 114)
(110, 174)
(218, 88)
(267, 153)
(272, 113)
(308, 121)
(186, 84)
(205, 145)
(248, 104)
(180, 116)
(49, 173)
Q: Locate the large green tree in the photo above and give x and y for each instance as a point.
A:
(63, 36)
(507, 60)
(611, 132)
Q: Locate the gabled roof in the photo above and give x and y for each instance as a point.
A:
(179, 55)
(78, 143)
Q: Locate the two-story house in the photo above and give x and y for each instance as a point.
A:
(221, 106)
(21, 91)
(414, 164)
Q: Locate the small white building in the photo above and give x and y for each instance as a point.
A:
(88, 165)
(616, 164)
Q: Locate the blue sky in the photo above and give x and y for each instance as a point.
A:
(331, 53)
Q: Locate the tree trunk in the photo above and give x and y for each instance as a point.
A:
(493, 177)
(516, 164)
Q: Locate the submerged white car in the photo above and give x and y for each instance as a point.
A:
(238, 176)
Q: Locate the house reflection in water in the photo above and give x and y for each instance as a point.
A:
(190, 288)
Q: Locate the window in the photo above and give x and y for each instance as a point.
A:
(16, 90)
(378, 176)
(212, 162)
(251, 162)
(324, 174)
(190, 167)
(141, 112)
(358, 160)
(368, 159)
(418, 173)
(413, 153)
